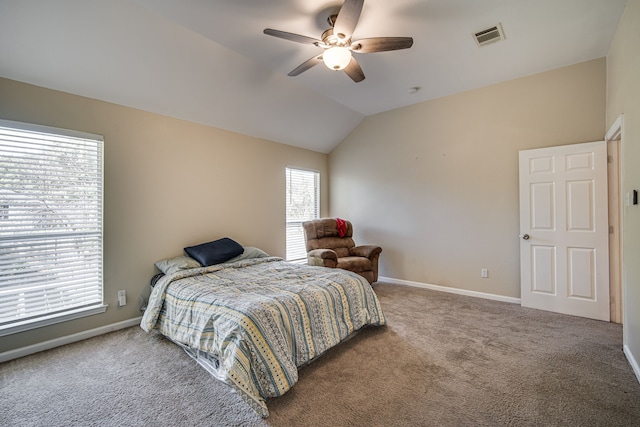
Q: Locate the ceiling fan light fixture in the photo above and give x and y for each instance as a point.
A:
(337, 45)
(336, 57)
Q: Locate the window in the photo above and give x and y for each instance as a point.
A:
(50, 226)
(303, 204)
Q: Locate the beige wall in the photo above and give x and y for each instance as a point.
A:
(623, 97)
(168, 184)
(436, 184)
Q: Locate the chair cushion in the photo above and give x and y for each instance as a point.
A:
(326, 227)
(355, 263)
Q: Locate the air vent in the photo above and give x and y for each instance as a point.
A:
(489, 35)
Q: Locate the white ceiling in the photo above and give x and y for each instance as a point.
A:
(209, 62)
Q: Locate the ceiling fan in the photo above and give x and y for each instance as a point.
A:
(337, 43)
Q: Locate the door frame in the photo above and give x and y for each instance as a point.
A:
(614, 139)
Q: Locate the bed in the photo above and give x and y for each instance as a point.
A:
(254, 319)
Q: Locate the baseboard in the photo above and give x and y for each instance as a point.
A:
(632, 361)
(47, 345)
(450, 290)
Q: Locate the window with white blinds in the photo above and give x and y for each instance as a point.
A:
(50, 225)
(303, 204)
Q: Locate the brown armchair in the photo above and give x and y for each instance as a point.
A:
(326, 248)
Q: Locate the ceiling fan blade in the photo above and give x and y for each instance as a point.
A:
(347, 18)
(306, 65)
(354, 70)
(381, 44)
(291, 36)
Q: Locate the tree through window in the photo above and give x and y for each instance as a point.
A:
(50, 225)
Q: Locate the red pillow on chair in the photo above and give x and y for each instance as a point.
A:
(341, 225)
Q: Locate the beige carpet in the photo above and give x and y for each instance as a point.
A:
(443, 360)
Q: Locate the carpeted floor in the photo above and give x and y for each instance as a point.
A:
(443, 360)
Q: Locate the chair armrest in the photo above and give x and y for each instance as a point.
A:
(367, 251)
(322, 257)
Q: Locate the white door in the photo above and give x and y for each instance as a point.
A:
(564, 248)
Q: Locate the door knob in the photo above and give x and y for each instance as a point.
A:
(524, 236)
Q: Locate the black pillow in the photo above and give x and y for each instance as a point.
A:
(215, 252)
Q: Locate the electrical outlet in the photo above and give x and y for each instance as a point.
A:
(484, 273)
(122, 298)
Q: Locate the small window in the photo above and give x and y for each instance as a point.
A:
(50, 226)
(303, 204)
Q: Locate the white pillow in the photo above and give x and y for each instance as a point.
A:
(250, 252)
(171, 265)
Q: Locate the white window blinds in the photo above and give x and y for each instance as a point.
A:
(303, 204)
(50, 225)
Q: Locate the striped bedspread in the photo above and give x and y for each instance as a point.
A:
(260, 319)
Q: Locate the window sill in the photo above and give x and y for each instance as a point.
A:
(52, 319)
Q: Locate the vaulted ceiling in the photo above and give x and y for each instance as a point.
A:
(208, 61)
